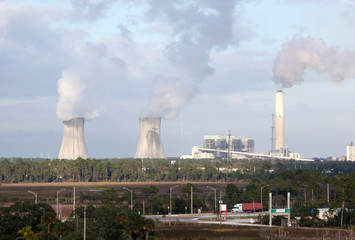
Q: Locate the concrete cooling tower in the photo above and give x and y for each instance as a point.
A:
(279, 122)
(73, 144)
(149, 145)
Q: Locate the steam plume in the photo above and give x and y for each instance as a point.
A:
(168, 96)
(198, 28)
(71, 103)
(301, 53)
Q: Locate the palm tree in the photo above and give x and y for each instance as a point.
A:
(47, 219)
(27, 233)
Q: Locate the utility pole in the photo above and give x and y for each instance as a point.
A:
(289, 207)
(74, 201)
(328, 192)
(84, 222)
(270, 207)
(192, 202)
(342, 211)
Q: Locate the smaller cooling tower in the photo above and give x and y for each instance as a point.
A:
(149, 145)
(73, 144)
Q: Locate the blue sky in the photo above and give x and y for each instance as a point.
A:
(204, 66)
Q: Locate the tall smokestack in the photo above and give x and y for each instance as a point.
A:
(279, 122)
(149, 145)
(73, 144)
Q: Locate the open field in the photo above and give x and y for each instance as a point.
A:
(20, 190)
(225, 232)
(46, 192)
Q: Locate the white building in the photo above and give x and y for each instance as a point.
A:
(350, 152)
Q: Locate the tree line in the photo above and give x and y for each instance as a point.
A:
(134, 170)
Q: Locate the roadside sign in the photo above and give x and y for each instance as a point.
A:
(281, 210)
(223, 207)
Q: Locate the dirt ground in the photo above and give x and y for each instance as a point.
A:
(218, 232)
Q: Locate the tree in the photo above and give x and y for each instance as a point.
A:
(27, 233)
(47, 219)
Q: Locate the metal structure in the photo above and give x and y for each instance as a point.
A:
(35, 194)
(215, 197)
(261, 193)
(171, 190)
(73, 143)
(150, 145)
(58, 191)
(131, 191)
(279, 122)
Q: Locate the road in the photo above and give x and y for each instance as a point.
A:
(245, 219)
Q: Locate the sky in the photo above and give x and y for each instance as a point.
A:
(204, 67)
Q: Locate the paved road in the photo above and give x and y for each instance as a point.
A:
(237, 219)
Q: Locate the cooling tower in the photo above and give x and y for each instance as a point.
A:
(279, 122)
(73, 144)
(149, 145)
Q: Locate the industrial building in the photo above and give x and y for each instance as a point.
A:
(350, 152)
(217, 146)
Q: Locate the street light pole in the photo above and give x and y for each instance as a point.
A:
(215, 197)
(261, 193)
(35, 194)
(171, 190)
(131, 191)
(58, 191)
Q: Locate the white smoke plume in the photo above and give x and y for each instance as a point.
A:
(197, 29)
(71, 101)
(301, 53)
(168, 96)
(90, 67)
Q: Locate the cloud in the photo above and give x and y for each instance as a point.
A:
(90, 9)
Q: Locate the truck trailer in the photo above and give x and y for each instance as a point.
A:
(247, 207)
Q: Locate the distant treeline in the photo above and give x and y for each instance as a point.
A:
(122, 170)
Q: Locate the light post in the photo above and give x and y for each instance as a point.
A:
(35, 194)
(261, 193)
(58, 191)
(215, 197)
(131, 191)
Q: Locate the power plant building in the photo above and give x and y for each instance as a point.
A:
(216, 146)
(73, 143)
(237, 144)
(150, 145)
